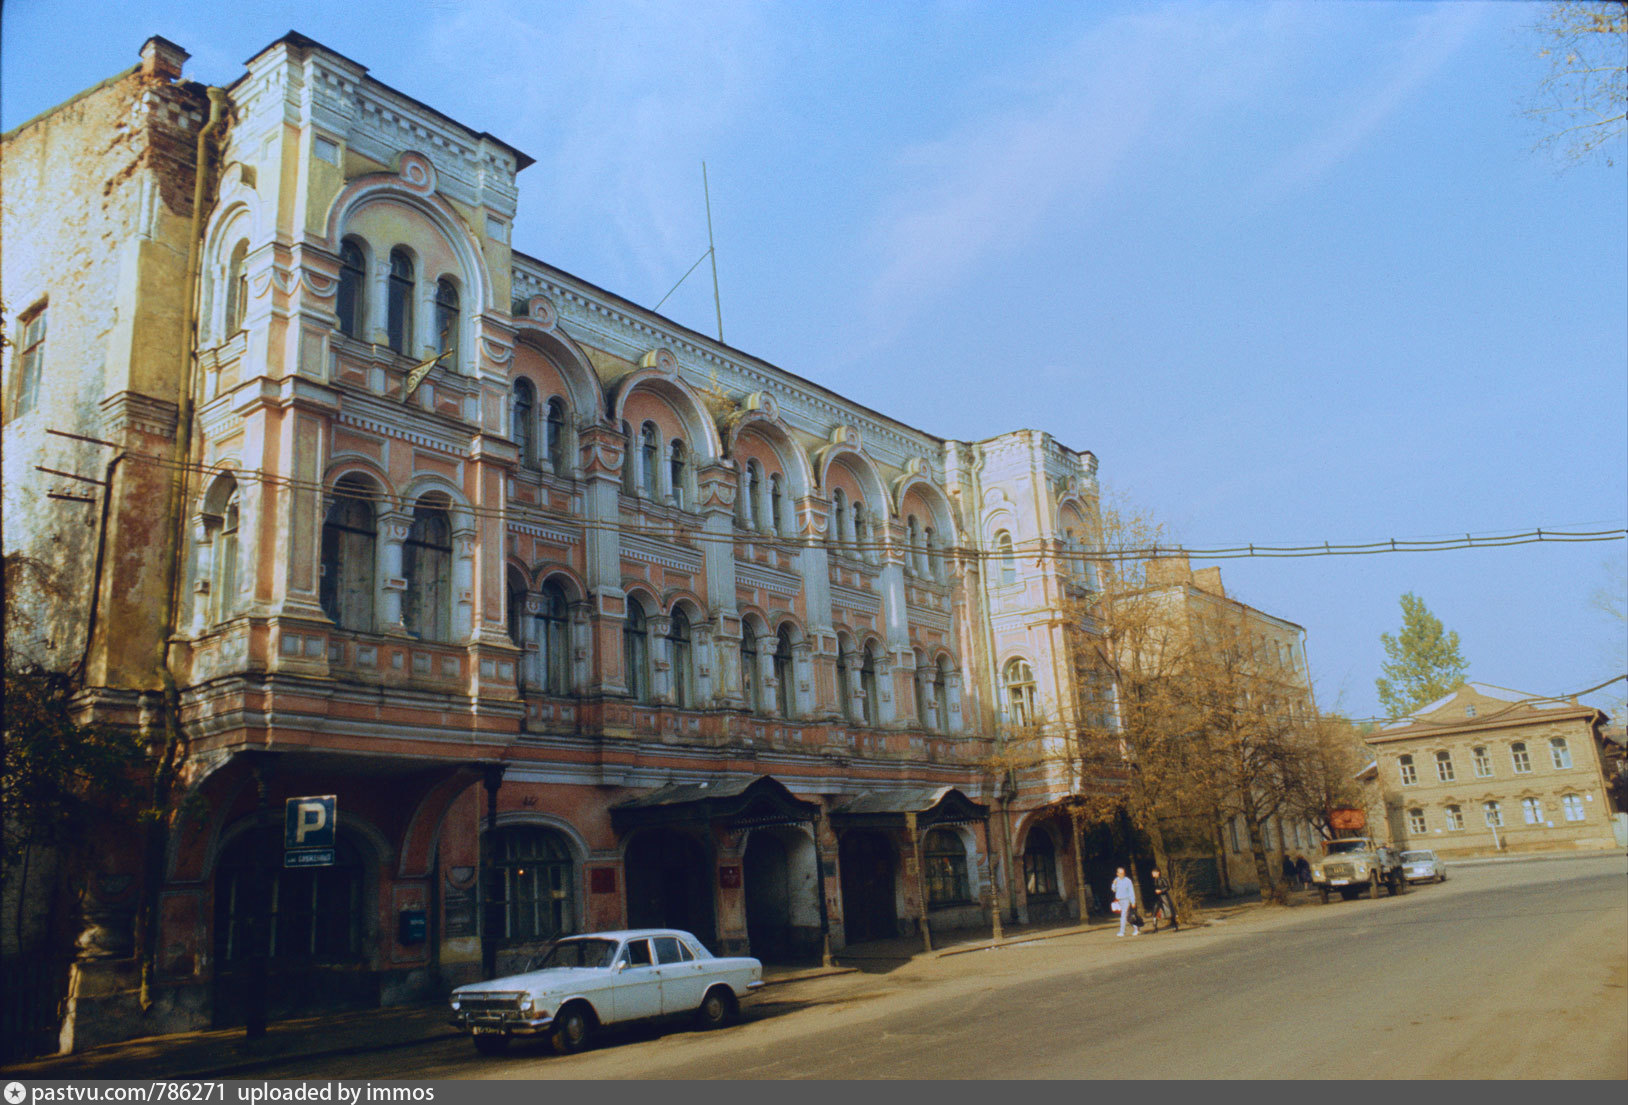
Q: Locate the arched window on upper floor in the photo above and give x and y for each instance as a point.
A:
(350, 555)
(223, 587)
(629, 484)
(554, 437)
(868, 683)
(636, 652)
(845, 690)
(681, 659)
(446, 317)
(839, 518)
(749, 500)
(678, 472)
(426, 563)
(521, 403)
(777, 508)
(782, 671)
(861, 531)
(749, 679)
(1006, 557)
(650, 454)
(935, 563)
(1019, 682)
(941, 692)
(237, 288)
(399, 302)
(554, 639)
(352, 288)
(924, 677)
(516, 606)
(914, 559)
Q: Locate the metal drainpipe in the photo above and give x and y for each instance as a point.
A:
(157, 831)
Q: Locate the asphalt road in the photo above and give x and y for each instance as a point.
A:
(1507, 971)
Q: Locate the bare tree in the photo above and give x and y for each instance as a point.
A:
(1581, 101)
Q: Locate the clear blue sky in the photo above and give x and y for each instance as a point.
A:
(1293, 272)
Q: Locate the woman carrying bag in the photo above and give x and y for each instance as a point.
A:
(1125, 903)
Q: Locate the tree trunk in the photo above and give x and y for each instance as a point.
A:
(1271, 891)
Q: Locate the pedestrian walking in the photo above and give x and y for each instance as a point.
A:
(1302, 869)
(1288, 871)
(1125, 902)
(1163, 904)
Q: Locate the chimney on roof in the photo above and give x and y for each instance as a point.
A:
(162, 58)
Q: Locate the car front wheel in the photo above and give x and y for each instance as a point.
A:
(573, 1030)
(717, 1008)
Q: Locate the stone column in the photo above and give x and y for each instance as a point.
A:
(581, 638)
(657, 627)
(954, 696)
(463, 580)
(392, 584)
(855, 707)
(802, 674)
(531, 654)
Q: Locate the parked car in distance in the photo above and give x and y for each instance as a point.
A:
(585, 982)
(1421, 864)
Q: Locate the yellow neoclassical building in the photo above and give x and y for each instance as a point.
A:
(1488, 769)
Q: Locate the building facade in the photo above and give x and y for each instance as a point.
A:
(1487, 769)
(584, 619)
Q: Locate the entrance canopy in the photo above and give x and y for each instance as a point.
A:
(738, 803)
(887, 809)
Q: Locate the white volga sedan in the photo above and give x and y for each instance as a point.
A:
(602, 978)
(1421, 864)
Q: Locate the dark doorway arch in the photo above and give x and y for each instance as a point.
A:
(768, 897)
(669, 883)
(869, 886)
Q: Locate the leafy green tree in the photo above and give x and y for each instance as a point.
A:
(1422, 662)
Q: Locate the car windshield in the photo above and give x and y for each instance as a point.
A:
(1418, 857)
(1336, 847)
(577, 953)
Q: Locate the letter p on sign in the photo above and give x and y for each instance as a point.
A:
(309, 822)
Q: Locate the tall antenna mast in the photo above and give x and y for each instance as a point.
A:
(712, 250)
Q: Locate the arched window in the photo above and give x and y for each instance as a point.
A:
(1494, 814)
(777, 522)
(1008, 559)
(224, 585)
(516, 595)
(533, 888)
(650, 450)
(237, 288)
(554, 439)
(867, 683)
(629, 483)
(426, 562)
(676, 470)
(555, 644)
(1559, 753)
(1483, 762)
(446, 316)
(941, 690)
(1520, 758)
(352, 288)
(944, 866)
(1019, 682)
(1455, 818)
(636, 652)
(1407, 770)
(316, 913)
(923, 677)
(520, 423)
(754, 487)
(1040, 865)
(681, 658)
(912, 561)
(1444, 767)
(399, 302)
(782, 671)
(1532, 811)
(839, 515)
(845, 691)
(934, 563)
(1416, 821)
(349, 555)
(861, 531)
(749, 680)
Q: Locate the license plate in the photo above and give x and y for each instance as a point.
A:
(480, 1031)
(1338, 882)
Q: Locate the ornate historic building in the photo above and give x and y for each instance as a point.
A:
(583, 618)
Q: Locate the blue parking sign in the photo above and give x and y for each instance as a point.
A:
(308, 831)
